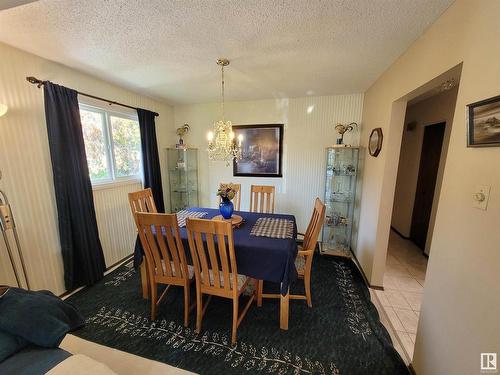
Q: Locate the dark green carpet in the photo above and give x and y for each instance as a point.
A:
(341, 334)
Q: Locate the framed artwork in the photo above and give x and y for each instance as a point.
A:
(483, 123)
(262, 150)
(375, 142)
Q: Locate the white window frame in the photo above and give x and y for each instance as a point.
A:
(110, 152)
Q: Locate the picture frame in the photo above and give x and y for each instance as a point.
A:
(483, 123)
(262, 150)
(375, 142)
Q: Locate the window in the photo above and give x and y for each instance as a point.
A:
(112, 144)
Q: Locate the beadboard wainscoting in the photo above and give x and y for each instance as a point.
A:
(27, 173)
(117, 230)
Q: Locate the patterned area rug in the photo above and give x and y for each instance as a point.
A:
(340, 334)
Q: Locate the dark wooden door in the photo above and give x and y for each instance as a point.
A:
(426, 183)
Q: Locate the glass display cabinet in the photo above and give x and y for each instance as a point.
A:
(340, 192)
(182, 166)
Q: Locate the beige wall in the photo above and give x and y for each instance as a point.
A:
(305, 137)
(27, 173)
(439, 108)
(461, 303)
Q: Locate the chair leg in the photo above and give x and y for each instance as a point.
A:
(235, 320)
(186, 305)
(144, 280)
(260, 287)
(199, 309)
(154, 296)
(307, 286)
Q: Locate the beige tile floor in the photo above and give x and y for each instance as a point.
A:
(403, 288)
(385, 321)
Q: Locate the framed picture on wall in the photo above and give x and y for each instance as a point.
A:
(262, 150)
(483, 123)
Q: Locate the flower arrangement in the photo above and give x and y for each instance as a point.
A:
(226, 192)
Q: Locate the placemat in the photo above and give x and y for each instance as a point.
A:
(272, 227)
(184, 214)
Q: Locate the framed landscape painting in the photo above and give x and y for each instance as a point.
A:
(262, 150)
(483, 123)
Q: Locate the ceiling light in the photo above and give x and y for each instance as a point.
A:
(446, 85)
(221, 141)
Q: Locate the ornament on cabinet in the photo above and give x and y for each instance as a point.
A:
(181, 132)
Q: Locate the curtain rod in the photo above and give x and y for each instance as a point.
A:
(40, 83)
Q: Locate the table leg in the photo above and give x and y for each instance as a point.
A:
(144, 280)
(284, 306)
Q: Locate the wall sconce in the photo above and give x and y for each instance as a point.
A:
(3, 109)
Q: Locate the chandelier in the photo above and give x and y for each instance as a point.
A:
(221, 143)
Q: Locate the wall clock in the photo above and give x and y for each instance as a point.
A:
(375, 142)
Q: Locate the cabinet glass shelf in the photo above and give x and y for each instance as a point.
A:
(337, 226)
(182, 165)
(331, 173)
(340, 190)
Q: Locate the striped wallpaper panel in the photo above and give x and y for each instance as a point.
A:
(27, 173)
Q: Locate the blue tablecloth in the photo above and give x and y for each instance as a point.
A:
(263, 258)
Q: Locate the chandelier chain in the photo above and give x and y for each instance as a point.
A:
(222, 74)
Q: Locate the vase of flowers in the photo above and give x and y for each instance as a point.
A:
(226, 192)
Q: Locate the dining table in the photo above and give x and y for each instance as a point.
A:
(259, 257)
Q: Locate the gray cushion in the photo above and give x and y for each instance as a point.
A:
(300, 263)
(172, 267)
(241, 279)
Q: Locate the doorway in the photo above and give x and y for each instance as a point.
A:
(426, 183)
(424, 145)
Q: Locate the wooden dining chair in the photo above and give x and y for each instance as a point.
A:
(165, 257)
(215, 267)
(262, 199)
(237, 197)
(305, 254)
(142, 201)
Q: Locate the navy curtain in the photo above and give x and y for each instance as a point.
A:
(150, 159)
(151, 167)
(80, 245)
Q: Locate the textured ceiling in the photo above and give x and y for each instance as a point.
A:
(6, 4)
(167, 49)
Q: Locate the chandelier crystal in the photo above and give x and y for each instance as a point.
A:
(221, 141)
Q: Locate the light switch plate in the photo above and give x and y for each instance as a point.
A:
(481, 196)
